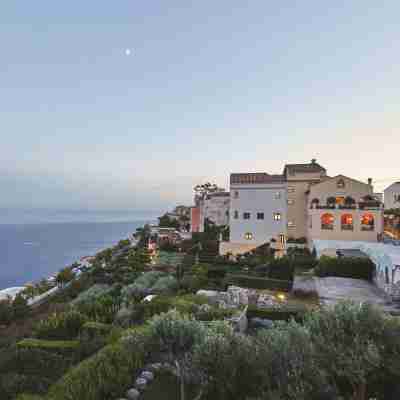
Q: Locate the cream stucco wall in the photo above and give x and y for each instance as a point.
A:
(298, 184)
(315, 232)
(353, 188)
(329, 187)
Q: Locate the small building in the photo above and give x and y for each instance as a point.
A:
(258, 211)
(342, 208)
(392, 196)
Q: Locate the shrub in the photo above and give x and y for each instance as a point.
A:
(141, 287)
(92, 330)
(20, 307)
(61, 326)
(93, 293)
(285, 313)
(103, 309)
(258, 283)
(64, 347)
(6, 312)
(104, 375)
(165, 285)
(345, 267)
(281, 268)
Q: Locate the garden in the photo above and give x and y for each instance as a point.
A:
(178, 326)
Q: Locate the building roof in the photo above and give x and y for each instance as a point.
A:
(392, 185)
(313, 166)
(256, 178)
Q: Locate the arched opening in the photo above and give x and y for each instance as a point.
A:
(347, 222)
(327, 221)
(367, 222)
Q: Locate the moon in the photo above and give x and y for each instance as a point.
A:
(128, 52)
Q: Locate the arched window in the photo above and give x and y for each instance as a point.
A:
(248, 236)
(327, 221)
(347, 222)
(367, 222)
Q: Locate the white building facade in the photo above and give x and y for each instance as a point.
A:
(258, 211)
(392, 196)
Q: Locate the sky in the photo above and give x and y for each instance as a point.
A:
(209, 88)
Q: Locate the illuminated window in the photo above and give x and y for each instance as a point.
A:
(340, 200)
(260, 215)
(248, 236)
(347, 222)
(327, 221)
(246, 215)
(367, 222)
(290, 202)
(277, 216)
(291, 224)
(291, 189)
(282, 238)
(236, 214)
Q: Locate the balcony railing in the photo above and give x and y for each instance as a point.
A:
(360, 206)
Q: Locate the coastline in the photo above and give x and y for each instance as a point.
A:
(61, 254)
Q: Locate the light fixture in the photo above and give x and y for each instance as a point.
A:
(281, 297)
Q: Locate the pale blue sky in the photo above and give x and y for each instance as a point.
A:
(211, 87)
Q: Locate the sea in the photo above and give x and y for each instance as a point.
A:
(38, 244)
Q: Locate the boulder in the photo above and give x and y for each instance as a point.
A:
(149, 376)
(212, 295)
(140, 383)
(132, 394)
(261, 323)
(266, 300)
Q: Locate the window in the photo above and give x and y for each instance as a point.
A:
(260, 215)
(277, 195)
(282, 238)
(236, 214)
(248, 236)
(290, 202)
(246, 215)
(291, 189)
(347, 222)
(277, 216)
(327, 221)
(397, 198)
(291, 224)
(236, 194)
(367, 222)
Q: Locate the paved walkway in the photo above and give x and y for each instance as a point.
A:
(331, 290)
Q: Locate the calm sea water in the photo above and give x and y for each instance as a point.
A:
(29, 252)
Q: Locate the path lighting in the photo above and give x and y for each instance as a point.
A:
(281, 297)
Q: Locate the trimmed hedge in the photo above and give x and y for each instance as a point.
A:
(276, 314)
(103, 375)
(345, 267)
(65, 347)
(259, 283)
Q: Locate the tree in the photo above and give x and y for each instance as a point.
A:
(20, 306)
(64, 276)
(166, 222)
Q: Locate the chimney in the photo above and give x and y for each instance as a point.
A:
(313, 161)
(370, 181)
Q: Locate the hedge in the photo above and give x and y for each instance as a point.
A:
(345, 267)
(276, 314)
(259, 283)
(102, 376)
(64, 347)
